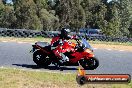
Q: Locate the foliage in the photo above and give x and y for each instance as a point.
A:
(125, 15)
(114, 18)
(25, 11)
(7, 17)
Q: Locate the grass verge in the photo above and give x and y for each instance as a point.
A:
(16, 78)
(112, 43)
(49, 39)
(30, 40)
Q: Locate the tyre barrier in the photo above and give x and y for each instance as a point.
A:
(107, 39)
(23, 33)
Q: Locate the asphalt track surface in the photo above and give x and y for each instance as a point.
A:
(16, 55)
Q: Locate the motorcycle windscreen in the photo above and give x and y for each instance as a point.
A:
(86, 44)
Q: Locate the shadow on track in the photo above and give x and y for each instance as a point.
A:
(49, 67)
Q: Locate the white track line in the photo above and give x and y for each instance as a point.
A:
(20, 42)
(1, 67)
(95, 48)
(109, 49)
(4, 41)
(23, 42)
(31, 43)
(121, 50)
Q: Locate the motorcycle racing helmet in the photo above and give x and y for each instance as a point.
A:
(65, 32)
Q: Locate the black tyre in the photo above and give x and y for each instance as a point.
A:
(90, 64)
(81, 80)
(40, 59)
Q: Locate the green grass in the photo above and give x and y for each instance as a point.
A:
(49, 39)
(111, 43)
(16, 78)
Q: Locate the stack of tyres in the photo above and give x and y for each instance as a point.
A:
(4, 33)
(43, 34)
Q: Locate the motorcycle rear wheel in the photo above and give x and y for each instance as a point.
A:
(90, 64)
(41, 59)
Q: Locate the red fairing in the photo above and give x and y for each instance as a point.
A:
(80, 55)
(64, 48)
(68, 46)
(55, 39)
(77, 55)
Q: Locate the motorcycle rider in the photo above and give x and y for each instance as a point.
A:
(57, 43)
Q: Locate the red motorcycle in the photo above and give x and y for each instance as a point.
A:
(78, 53)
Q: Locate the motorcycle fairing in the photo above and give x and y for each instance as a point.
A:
(43, 50)
(80, 55)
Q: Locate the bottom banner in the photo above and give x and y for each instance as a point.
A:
(83, 78)
(103, 78)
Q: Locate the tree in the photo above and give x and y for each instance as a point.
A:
(110, 25)
(47, 18)
(125, 16)
(40, 4)
(100, 17)
(25, 11)
(79, 15)
(7, 17)
(130, 29)
(70, 13)
(49, 21)
(113, 27)
(93, 9)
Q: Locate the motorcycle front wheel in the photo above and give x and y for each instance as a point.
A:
(90, 64)
(41, 59)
